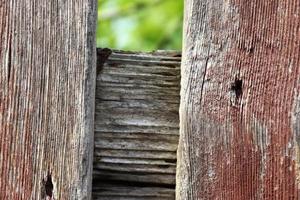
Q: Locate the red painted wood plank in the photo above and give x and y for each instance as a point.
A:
(240, 101)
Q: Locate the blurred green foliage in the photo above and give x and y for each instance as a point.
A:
(140, 24)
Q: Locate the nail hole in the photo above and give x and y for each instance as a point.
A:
(48, 186)
(251, 50)
(237, 88)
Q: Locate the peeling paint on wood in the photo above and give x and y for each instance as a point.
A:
(47, 83)
(240, 142)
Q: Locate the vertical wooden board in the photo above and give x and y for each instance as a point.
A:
(240, 100)
(47, 83)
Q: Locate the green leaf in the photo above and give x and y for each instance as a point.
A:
(140, 24)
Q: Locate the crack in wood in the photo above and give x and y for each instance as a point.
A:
(9, 60)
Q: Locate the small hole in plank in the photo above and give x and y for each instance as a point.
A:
(48, 186)
(237, 88)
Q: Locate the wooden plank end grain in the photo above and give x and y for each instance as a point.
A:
(136, 125)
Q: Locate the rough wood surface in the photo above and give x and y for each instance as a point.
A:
(113, 192)
(136, 125)
(47, 84)
(240, 97)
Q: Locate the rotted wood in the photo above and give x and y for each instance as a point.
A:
(136, 125)
(47, 84)
(240, 101)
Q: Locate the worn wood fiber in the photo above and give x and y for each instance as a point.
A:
(136, 125)
(240, 97)
(47, 84)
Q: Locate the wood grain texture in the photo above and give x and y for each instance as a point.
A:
(136, 125)
(47, 86)
(113, 192)
(239, 129)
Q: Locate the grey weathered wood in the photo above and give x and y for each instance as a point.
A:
(136, 154)
(136, 125)
(109, 191)
(47, 86)
(239, 112)
(145, 179)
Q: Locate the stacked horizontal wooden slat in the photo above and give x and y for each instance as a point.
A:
(137, 126)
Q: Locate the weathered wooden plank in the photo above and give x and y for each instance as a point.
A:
(131, 167)
(136, 144)
(109, 197)
(47, 84)
(116, 128)
(167, 155)
(160, 55)
(115, 96)
(137, 125)
(139, 161)
(240, 93)
(145, 106)
(137, 178)
(138, 80)
(128, 119)
(143, 136)
(110, 191)
(142, 62)
(131, 70)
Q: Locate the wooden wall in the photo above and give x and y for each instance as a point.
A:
(136, 125)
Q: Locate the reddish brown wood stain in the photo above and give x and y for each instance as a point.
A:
(254, 155)
(15, 149)
(267, 60)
